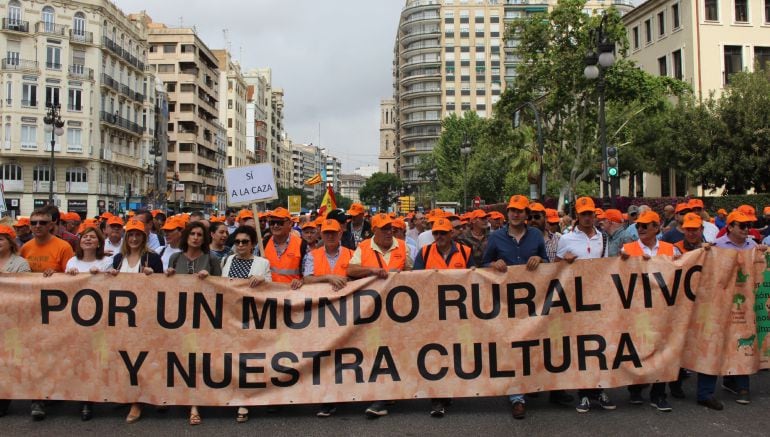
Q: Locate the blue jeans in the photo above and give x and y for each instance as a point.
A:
(707, 384)
(516, 398)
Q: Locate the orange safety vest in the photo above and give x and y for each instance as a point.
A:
(321, 264)
(370, 258)
(634, 249)
(680, 245)
(289, 265)
(434, 260)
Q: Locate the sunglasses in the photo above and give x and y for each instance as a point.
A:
(743, 226)
(535, 216)
(39, 222)
(458, 228)
(240, 242)
(440, 232)
(644, 226)
(277, 222)
(683, 212)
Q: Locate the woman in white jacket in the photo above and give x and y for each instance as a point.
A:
(245, 265)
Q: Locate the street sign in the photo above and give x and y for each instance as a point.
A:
(253, 183)
(476, 202)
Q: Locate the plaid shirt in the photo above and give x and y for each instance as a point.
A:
(551, 244)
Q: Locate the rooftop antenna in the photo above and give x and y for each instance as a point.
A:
(181, 21)
(226, 35)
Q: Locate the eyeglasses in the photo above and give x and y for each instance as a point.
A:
(240, 242)
(743, 226)
(39, 222)
(535, 216)
(440, 232)
(277, 222)
(644, 226)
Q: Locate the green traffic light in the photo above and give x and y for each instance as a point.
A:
(612, 171)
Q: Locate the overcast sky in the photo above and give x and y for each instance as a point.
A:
(332, 58)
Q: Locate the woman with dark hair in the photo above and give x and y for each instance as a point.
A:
(194, 259)
(89, 255)
(135, 257)
(219, 235)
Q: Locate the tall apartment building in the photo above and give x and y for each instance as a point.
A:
(189, 69)
(232, 109)
(387, 136)
(307, 161)
(701, 42)
(451, 56)
(262, 80)
(350, 185)
(256, 116)
(87, 57)
(333, 167)
(219, 199)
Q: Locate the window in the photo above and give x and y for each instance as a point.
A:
(76, 174)
(41, 173)
(165, 68)
(767, 11)
(53, 58)
(75, 99)
(675, 15)
(78, 61)
(733, 61)
(14, 12)
(676, 61)
(741, 11)
(10, 172)
(169, 48)
(29, 94)
(712, 10)
(51, 95)
(648, 31)
(48, 18)
(28, 135)
(662, 67)
(79, 24)
(762, 58)
(661, 23)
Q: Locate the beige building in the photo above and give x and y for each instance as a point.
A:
(189, 69)
(232, 109)
(701, 42)
(451, 56)
(388, 136)
(87, 57)
(257, 103)
(272, 108)
(350, 185)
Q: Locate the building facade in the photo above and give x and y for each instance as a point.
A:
(179, 58)
(701, 42)
(256, 116)
(350, 185)
(232, 109)
(333, 168)
(88, 58)
(387, 136)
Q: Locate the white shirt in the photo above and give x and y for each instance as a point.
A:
(114, 249)
(165, 253)
(153, 243)
(577, 243)
(425, 238)
(710, 231)
(103, 264)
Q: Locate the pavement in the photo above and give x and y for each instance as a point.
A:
(466, 417)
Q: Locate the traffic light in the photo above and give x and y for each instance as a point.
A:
(612, 162)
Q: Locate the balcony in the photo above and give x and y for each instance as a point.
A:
(81, 37)
(47, 28)
(81, 72)
(109, 82)
(29, 104)
(15, 25)
(13, 185)
(111, 46)
(120, 122)
(19, 64)
(77, 187)
(55, 66)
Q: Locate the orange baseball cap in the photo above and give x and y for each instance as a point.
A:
(280, 213)
(7, 230)
(536, 207)
(695, 203)
(648, 217)
(738, 216)
(748, 211)
(356, 209)
(681, 207)
(442, 224)
(496, 215)
(583, 204)
(599, 213)
(692, 221)
(723, 211)
(173, 223)
(613, 215)
(381, 220)
(136, 225)
(244, 214)
(551, 215)
(21, 221)
(131, 213)
(106, 215)
(309, 224)
(477, 214)
(436, 214)
(399, 223)
(517, 201)
(115, 221)
(330, 225)
(70, 217)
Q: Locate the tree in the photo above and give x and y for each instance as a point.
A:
(738, 300)
(381, 190)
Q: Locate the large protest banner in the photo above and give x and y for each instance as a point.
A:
(186, 341)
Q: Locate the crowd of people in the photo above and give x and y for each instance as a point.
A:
(343, 245)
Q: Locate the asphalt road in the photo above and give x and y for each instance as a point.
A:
(466, 417)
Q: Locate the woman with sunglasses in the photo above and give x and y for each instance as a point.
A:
(135, 257)
(195, 258)
(245, 265)
(219, 235)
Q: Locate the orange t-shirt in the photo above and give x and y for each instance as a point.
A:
(54, 254)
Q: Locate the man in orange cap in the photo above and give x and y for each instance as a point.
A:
(585, 241)
(283, 249)
(496, 219)
(426, 237)
(358, 227)
(516, 244)
(552, 221)
(749, 212)
(537, 219)
(477, 234)
(675, 234)
(71, 222)
(311, 235)
(23, 231)
(378, 256)
(114, 236)
(721, 219)
(416, 226)
(616, 228)
(710, 230)
(693, 233)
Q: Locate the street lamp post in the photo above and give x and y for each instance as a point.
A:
(540, 193)
(433, 179)
(597, 62)
(175, 179)
(465, 150)
(54, 125)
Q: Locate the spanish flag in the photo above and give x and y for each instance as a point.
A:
(315, 180)
(328, 203)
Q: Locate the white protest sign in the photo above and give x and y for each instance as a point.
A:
(253, 183)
